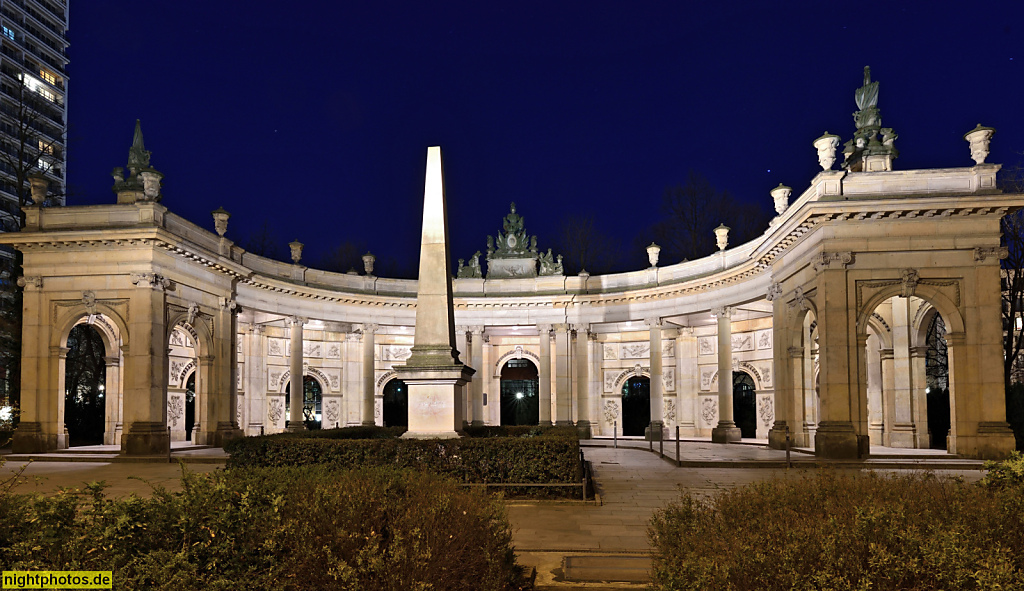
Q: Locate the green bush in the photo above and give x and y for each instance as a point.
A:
(541, 460)
(272, 529)
(360, 432)
(521, 431)
(832, 531)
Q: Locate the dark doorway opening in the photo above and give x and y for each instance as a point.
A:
(85, 373)
(937, 379)
(520, 393)
(311, 403)
(744, 404)
(636, 405)
(396, 404)
(190, 405)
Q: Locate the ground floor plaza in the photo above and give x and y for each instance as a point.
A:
(868, 313)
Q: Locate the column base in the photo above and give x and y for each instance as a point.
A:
(431, 435)
(294, 426)
(225, 433)
(584, 430)
(146, 438)
(994, 441)
(726, 432)
(838, 441)
(368, 424)
(477, 423)
(777, 436)
(655, 431)
(29, 438)
(563, 423)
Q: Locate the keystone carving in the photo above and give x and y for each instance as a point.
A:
(909, 278)
(774, 291)
(193, 311)
(36, 282)
(89, 299)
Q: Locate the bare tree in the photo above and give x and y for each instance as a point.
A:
(584, 246)
(691, 211)
(1012, 272)
(263, 242)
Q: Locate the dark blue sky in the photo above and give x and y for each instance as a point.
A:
(316, 115)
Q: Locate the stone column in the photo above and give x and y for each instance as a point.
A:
(38, 429)
(563, 388)
(256, 381)
(297, 391)
(876, 415)
(145, 401)
(490, 385)
(596, 385)
(838, 435)
(112, 400)
(462, 346)
(63, 439)
(919, 396)
(656, 430)
(582, 382)
(544, 373)
(352, 379)
(369, 330)
(726, 430)
(204, 431)
(226, 385)
(886, 359)
(688, 383)
(902, 429)
(782, 367)
(476, 387)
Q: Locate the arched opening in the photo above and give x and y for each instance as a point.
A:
(636, 405)
(85, 372)
(190, 405)
(311, 404)
(520, 393)
(744, 404)
(937, 379)
(396, 403)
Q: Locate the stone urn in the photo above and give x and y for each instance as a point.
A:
(296, 248)
(781, 195)
(979, 138)
(368, 260)
(39, 186)
(722, 236)
(826, 146)
(220, 220)
(652, 254)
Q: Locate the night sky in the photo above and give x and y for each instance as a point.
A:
(316, 116)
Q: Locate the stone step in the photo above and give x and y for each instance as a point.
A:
(607, 569)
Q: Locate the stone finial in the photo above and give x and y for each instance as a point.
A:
(138, 156)
(296, 249)
(652, 254)
(368, 260)
(781, 196)
(220, 220)
(143, 181)
(826, 146)
(722, 236)
(40, 186)
(979, 138)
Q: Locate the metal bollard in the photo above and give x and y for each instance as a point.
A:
(615, 434)
(261, 430)
(678, 459)
(789, 463)
(650, 438)
(661, 443)
(168, 444)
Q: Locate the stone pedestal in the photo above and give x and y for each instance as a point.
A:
(838, 441)
(436, 397)
(29, 438)
(145, 438)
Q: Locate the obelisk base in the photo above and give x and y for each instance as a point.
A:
(436, 397)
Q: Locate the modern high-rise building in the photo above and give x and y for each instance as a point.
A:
(33, 100)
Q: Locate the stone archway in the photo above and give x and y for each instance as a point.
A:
(395, 403)
(84, 386)
(744, 396)
(520, 392)
(636, 405)
(312, 401)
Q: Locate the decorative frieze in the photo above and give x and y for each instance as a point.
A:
(764, 339)
(640, 350)
(743, 342)
(706, 345)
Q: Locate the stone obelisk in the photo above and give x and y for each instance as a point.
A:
(435, 376)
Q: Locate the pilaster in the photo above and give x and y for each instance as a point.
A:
(544, 334)
(726, 430)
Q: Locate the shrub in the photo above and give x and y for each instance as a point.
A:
(360, 432)
(843, 532)
(487, 459)
(271, 529)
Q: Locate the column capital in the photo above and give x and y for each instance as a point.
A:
(795, 351)
(476, 330)
(654, 321)
(591, 335)
(584, 328)
(544, 328)
(919, 351)
(229, 304)
(369, 328)
(256, 329)
(295, 320)
(461, 328)
(685, 332)
(150, 280)
(560, 327)
(886, 353)
(722, 312)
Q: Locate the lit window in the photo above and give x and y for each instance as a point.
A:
(1019, 323)
(48, 76)
(8, 33)
(46, 147)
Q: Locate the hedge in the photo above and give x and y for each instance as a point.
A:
(540, 460)
(279, 528)
(834, 531)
